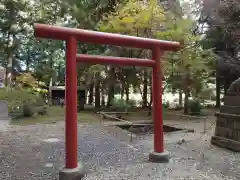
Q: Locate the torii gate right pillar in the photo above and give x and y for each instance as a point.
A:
(158, 155)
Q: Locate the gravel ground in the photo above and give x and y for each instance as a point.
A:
(37, 153)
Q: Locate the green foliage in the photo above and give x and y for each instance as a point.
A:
(88, 13)
(178, 107)
(28, 110)
(45, 59)
(188, 68)
(21, 102)
(228, 26)
(131, 103)
(42, 110)
(194, 106)
(122, 105)
(28, 80)
(134, 18)
(166, 104)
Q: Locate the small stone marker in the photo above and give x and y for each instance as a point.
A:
(3, 110)
(227, 132)
(4, 118)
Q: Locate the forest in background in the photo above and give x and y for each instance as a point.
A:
(207, 30)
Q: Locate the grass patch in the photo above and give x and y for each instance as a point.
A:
(142, 115)
(57, 113)
(54, 114)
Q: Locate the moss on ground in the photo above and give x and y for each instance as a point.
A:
(54, 114)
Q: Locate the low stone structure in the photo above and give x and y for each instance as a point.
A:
(227, 132)
(4, 118)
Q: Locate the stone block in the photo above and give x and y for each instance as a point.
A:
(234, 89)
(227, 131)
(221, 122)
(3, 110)
(4, 118)
(72, 174)
(230, 122)
(234, 135)
(232, 100)
(230, 109)
(225, 120)
(226, 143)
(159, 157)
(223, 132)
(238, 139)
(237, 125)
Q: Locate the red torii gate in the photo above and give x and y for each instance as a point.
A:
(71, 36)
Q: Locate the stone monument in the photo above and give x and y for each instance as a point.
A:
(227, 131)
(4, 118)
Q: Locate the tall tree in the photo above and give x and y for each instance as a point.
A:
(223, 35)
(13, 20)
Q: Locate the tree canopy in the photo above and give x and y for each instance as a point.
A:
(187, 71)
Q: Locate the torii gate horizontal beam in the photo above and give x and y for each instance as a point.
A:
(63, 33)
(114, 60)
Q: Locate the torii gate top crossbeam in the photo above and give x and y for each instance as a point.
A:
(63, 33)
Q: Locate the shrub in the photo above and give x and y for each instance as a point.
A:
(131, 103)
(178, 108)
(21, 102)
(121, 105)
(42, 110)
(28, 111)
(118, 104)
(166, 104)
(194, 107)
(210, 106)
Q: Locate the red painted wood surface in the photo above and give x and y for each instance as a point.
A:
(71, 130)
(93, 59)
(63, 33)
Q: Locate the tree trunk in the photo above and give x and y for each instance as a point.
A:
(186, 102)
(122, 90)
(90, 98)
(97, 91)
(103, 98)
(28, 60)
(227, 84)
(8, 82)
(145, 87)
(127, 91)
(186, 85)
(51, 66)
(218, 93)
(9, 68)
(180, 98)
(150, 103)
(111, 86)
(218, 97)
(59, 72)
(228, 79)
(12, 18)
